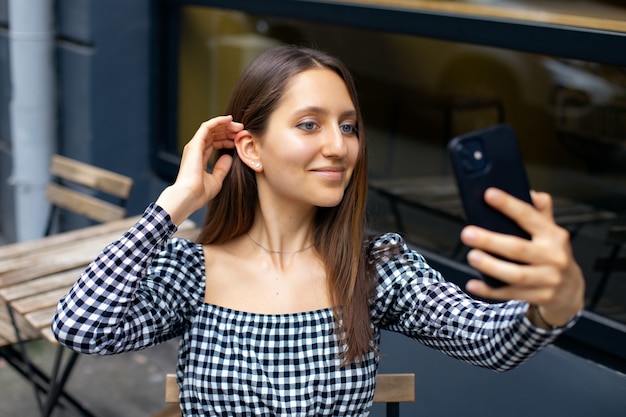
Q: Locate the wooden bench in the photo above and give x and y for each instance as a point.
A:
(391, 389)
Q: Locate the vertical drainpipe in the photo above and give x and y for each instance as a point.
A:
(32, 111)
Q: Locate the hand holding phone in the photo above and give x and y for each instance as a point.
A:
(489, 158)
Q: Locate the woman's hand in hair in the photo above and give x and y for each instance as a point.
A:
(195, 186)
(544, 272)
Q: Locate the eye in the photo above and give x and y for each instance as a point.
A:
(348, 128)
(308, 126)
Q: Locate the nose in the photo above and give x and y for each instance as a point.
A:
(334, 145)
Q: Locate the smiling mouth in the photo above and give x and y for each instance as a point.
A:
(334, 174)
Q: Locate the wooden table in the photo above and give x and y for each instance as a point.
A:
(34, 275)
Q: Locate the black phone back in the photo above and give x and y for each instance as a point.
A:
(489, 158)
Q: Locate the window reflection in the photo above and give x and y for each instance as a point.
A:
(417, 93)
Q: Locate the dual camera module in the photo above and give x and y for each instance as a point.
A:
(473, 156)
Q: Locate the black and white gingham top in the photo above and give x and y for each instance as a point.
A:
(147, 288)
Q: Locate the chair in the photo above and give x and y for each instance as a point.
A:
(78, 187)
(391, 389)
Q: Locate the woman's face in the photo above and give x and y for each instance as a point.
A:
(310, 148)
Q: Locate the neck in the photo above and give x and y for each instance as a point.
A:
(281, 232)
(268, 250)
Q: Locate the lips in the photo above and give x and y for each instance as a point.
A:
(331, 173)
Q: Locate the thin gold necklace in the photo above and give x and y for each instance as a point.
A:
(277, 251)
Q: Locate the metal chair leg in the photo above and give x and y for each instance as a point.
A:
(393, 410)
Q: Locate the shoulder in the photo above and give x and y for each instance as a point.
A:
(180, 260)
(403, 278)
(390, 253)
(396, 264)
(179, 247)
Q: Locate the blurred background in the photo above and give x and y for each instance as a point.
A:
(130, 81)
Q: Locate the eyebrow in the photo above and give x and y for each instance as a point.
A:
(323, 111)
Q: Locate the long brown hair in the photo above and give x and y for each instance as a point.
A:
(339, 230)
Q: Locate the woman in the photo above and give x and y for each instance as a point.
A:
(280, 305)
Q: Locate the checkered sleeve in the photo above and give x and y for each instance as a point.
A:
(135, 294)
(413, 299)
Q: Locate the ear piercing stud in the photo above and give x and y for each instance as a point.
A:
(256, 164)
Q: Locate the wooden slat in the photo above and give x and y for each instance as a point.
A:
(389, 388)
(86, 205)
(3, 341)
(42, 285)
(42, 318)
(7, 331)
(90, 176)
(47, 334)
(171, 389)
(16, 250)
(172, 410)
(394, 388)
(56, 260)
(68, 257)
(39, 302)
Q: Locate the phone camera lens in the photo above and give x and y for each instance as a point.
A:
(472, 156)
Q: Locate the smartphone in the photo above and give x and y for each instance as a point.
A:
(489, 158)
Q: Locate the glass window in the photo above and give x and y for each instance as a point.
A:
(416, 94)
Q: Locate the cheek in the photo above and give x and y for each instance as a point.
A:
(352, 158)
(353, 152)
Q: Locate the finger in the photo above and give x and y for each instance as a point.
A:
(542, 201)
(507, 246)
(224, 136)
(533, 295)
(525, 215)
(214, 130)
(214, 181)
(216, 133)
(222, 167)
(514, 274)
(210, 127)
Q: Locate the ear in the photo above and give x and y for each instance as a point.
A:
(247, 149)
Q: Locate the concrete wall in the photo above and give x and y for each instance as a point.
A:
(105, 75)
(7, 226)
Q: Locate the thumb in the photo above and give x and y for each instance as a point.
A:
(222, 167)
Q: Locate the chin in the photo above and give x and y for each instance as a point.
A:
(328, 203)
(329, 197)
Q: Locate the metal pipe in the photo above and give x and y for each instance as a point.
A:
(32, 111)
